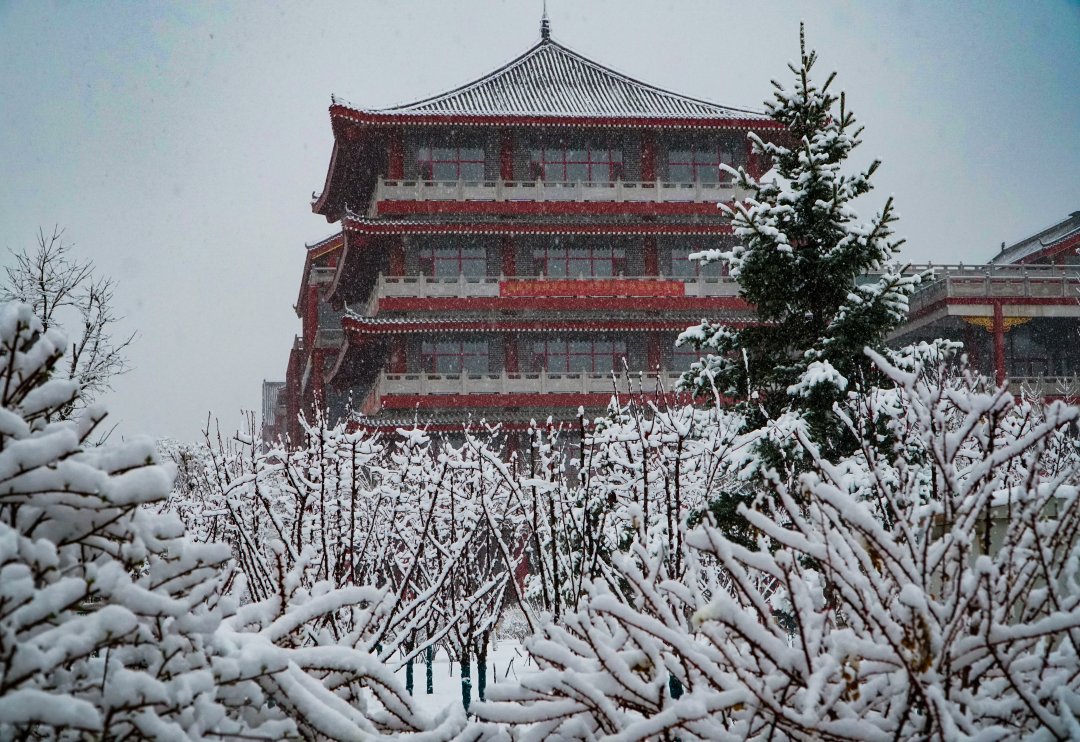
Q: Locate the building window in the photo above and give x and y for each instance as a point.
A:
(685, 356)
(586, 164)
(574, 262)
(454, 356)
(567, 356)
(700, 162)
(683, 267)
(450, 163)
(449, 261)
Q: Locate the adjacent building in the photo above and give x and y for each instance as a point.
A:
(1018, 316)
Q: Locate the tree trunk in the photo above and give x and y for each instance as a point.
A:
(429, 660)
(481, 671)
(466, 680)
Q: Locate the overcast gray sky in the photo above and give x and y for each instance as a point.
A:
(179, 144)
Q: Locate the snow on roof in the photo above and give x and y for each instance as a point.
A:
(552, 80)
(324, 242)
(1059, 232)
(359, 221)
(542, 322)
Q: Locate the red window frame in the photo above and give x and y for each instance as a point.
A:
(701, 160)
(565, 260)
(454, 161)
(451, 261)
(578, 356)
(454, 356)
(556, 164)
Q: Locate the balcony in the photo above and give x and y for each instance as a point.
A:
(524, 287)
(528, 196)
(543, 383)
(1020, 282)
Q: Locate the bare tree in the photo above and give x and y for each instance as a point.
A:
(67, 294)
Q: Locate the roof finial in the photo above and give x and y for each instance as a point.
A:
(545, 24)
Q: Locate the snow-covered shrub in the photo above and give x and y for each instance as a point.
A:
(114, 624)
(429, 527)
(927, 586)
(107, 612)
(643, 471)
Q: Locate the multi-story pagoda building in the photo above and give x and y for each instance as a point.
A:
(503, 249)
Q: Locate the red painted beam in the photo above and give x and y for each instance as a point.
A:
(359, 329)
(393, 207)
(561, 303)
(366, 226)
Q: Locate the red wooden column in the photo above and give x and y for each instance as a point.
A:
(318, 382)
(311, 318)
(397, 256)
(510, 354)
(509, 263)
(652, 257)
(753, 162)
(648, 156)
(999, 344)
(398, 357)
(395, 169)
(652, 346)
(506, 155)
(509, 340)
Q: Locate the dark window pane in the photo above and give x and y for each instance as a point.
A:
(472, 171)
(708, 174)
(681, 173)
(444, 171)
(576, 172)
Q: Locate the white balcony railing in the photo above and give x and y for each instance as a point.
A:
(518, 383)
(997, 281)
(618, 191)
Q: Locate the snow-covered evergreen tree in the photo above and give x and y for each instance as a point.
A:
(824, 285)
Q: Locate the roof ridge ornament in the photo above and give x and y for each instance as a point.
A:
(545, 25)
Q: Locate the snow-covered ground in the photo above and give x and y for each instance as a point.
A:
(507, 661)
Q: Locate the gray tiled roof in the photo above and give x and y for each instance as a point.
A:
(1038, 242)
(551, 80)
